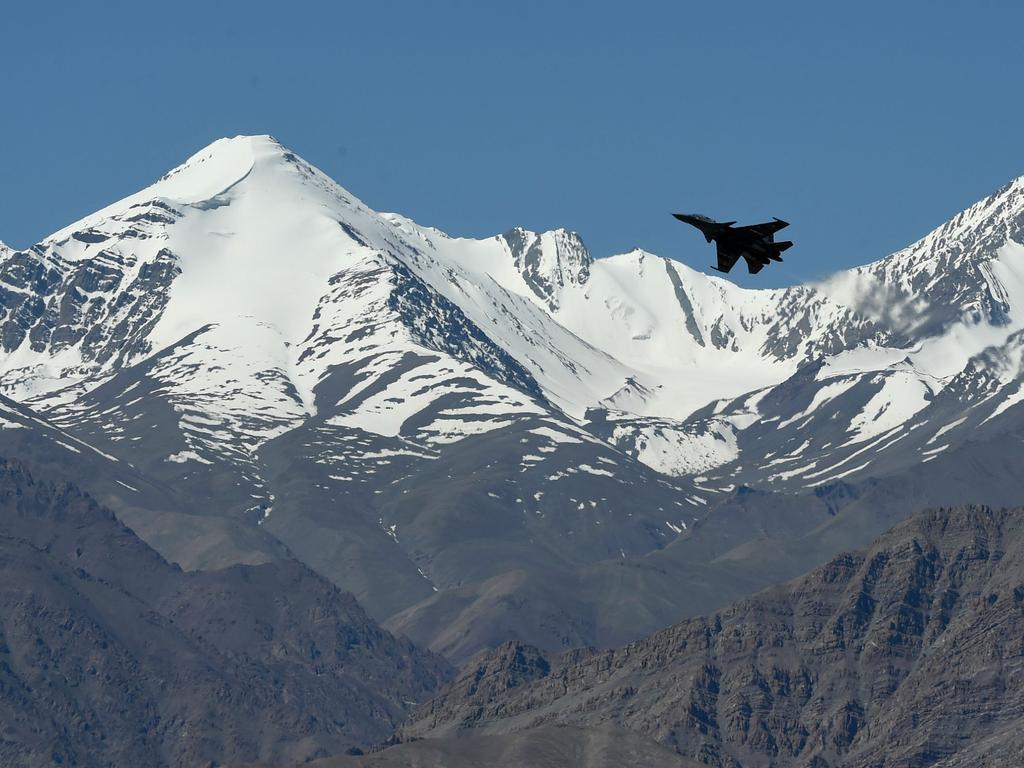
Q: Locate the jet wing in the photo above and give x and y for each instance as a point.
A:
(726, 258)
(767, 229)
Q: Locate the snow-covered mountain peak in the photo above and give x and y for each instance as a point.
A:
(964, 271)
(217, 150)
(975, 233)
(214, 177)
(220, 164)
(224, 162)
(242, 235)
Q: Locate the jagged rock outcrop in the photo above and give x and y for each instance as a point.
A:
(908, 654)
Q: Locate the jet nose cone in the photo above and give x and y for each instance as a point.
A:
(694, 218)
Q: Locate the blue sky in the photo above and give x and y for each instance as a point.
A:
(863, 124)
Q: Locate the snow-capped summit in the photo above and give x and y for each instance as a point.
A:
(955, 273)
(243, 233)
(202, 177)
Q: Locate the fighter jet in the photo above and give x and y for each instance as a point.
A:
(755, 243)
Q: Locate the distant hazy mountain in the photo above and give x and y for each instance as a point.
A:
(499, 438)
(111, 656)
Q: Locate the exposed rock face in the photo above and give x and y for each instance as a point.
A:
(105, 305)
(111, 656)
(549, 261)
(908, 654)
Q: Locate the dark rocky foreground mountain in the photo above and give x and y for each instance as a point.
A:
(109, 656)
(908, 654)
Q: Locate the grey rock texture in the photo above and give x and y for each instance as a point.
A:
(908, 654)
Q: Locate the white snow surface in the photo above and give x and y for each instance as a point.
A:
(679, 452)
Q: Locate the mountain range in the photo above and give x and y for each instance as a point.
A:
(499, 439)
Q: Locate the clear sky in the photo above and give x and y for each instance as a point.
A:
(864, 124)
